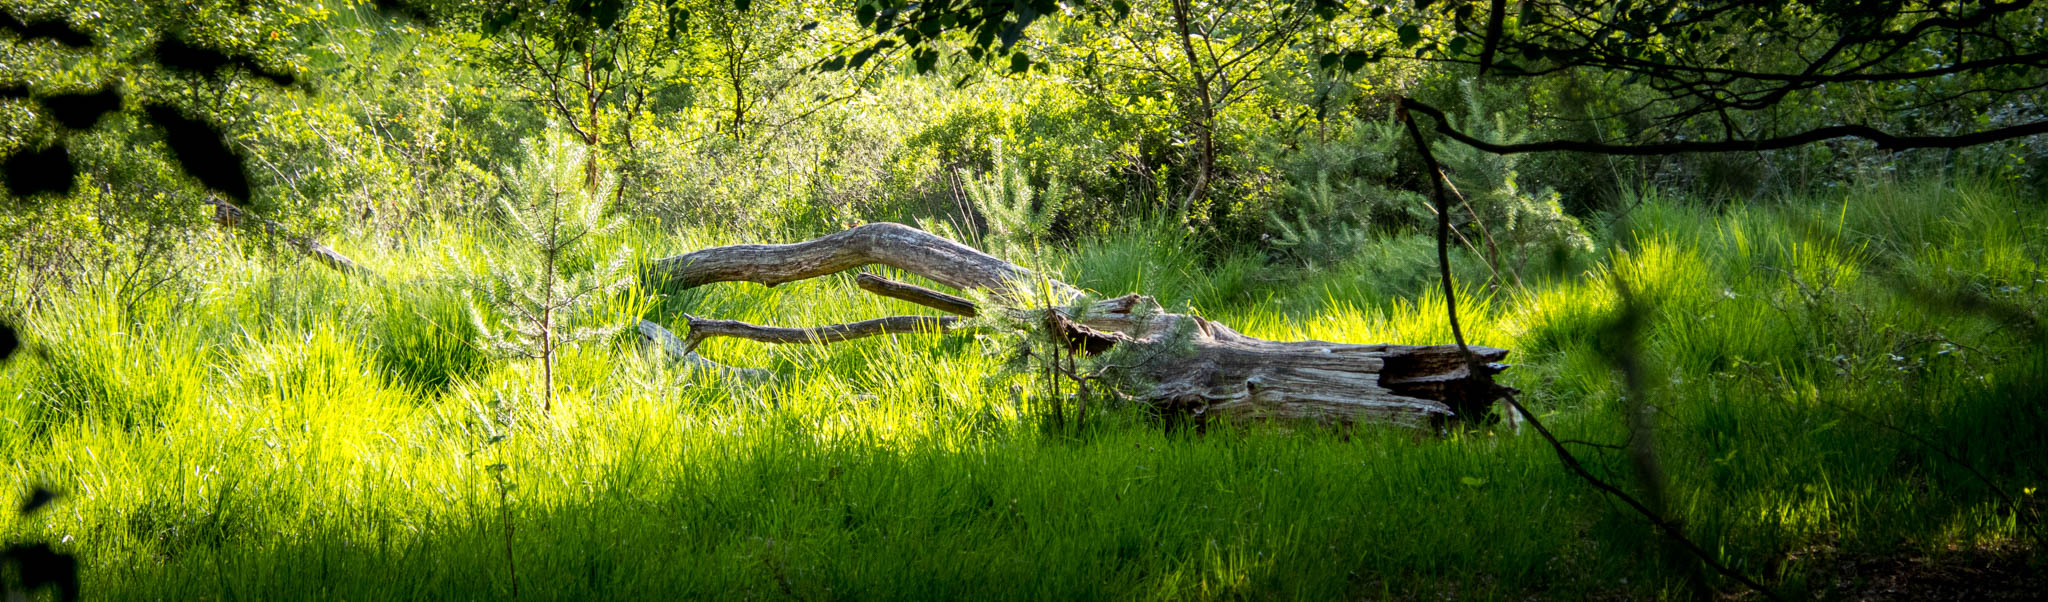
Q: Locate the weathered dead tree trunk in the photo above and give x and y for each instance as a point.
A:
(1186, 363)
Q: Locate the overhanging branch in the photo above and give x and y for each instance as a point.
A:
(1884, 141)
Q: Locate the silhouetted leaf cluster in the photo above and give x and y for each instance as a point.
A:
(202, 150)
(38, 565)
(10, 341)
(1712, 64)
(199, 148)
(174, 52)
(48, 29)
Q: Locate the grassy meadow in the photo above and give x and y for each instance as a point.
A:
(290, 433)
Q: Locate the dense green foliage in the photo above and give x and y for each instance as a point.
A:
(1841, 342)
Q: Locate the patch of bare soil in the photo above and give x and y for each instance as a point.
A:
(1988, 573)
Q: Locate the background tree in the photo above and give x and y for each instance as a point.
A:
(743, 52)
(1202, 57)
(591, 65)
(1745, 76)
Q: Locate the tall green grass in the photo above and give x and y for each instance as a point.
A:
(324, 438)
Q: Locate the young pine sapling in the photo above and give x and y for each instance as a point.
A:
(543, 294)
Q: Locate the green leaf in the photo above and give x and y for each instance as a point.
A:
(1019, 63)
(1410, 34)
(1472, 481)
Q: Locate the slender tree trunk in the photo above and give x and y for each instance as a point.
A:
(1205, 117)
(547, 310)
(591, 97)
(735, 64)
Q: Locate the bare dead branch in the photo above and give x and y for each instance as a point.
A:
(653, 335)
(905, 291)
(704, 328)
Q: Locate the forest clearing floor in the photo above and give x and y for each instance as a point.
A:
(1845, 392)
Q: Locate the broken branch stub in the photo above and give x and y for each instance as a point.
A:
(1184, 363)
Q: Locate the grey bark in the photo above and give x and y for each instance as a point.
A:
(894, 245)
(1184, 363)
(703, 328)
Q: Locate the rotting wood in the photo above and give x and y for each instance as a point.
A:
(1187, 364)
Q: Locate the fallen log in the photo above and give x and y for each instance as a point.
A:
(1185, 364)
(703, 328)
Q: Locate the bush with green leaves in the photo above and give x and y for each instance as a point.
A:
(1016, 217)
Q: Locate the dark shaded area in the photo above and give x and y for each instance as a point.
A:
(402, 9)
(38, 565)
(41, 567)
(203, 151)
(176, 53)
(10, 342)
(81, 111)
(49, 169)
(1986, 573)
(36, 500)
(46, 29)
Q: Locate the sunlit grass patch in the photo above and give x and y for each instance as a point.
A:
(289, 433)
